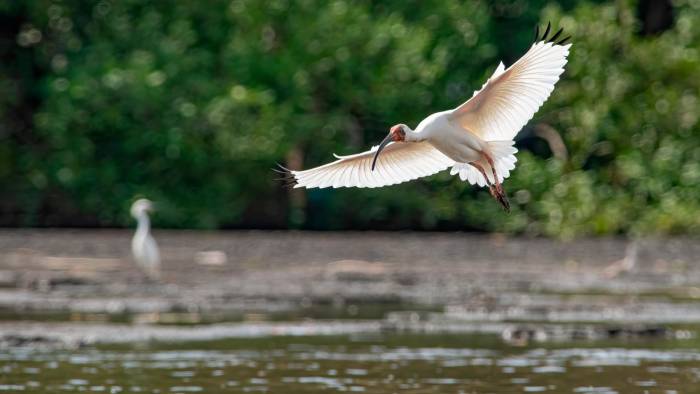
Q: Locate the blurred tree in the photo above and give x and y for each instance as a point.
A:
(655, 15)
(629, 115)
(191, 106)
(20, 72)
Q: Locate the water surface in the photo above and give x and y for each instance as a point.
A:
(384, 363)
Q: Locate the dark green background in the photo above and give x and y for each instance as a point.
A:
(191, 103)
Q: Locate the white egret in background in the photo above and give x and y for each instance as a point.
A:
(475, 139)
(143, 246)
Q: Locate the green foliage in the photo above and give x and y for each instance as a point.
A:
(191, 105)
(628, 111)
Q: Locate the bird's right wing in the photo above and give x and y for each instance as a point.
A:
(399, 162)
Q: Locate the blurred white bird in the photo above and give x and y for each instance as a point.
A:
(143, 246)
(475, 139)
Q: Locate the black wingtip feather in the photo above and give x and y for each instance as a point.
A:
(556, 35)
(546, 31)
(283, 168)
(290, 185)
(552, 39)
(287, 177)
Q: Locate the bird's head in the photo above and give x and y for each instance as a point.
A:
(141, 206)
(397, 133)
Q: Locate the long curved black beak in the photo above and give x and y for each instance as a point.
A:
(383, 144)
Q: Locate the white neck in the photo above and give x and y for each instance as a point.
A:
(143, 223)
(412, 136)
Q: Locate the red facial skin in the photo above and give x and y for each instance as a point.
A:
(397, 133)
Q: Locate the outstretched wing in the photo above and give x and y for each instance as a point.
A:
(510, 98)
(399, 162)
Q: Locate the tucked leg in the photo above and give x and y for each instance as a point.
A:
(493, 169)
(499, 194)
(488, 183)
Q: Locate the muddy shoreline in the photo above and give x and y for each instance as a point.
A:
(247, 277)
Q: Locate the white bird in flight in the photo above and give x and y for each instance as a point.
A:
(475, 139)
(143, 246)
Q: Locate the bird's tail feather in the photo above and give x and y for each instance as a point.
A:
(504, 159)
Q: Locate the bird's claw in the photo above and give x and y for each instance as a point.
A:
(500, 195)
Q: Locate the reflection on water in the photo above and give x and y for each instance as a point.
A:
(386, 364)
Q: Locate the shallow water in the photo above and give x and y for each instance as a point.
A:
(377, 363)
(352, 312)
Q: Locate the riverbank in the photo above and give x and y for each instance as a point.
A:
(387, 281)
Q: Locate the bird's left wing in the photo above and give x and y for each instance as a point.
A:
(510, 98)
(399, 162)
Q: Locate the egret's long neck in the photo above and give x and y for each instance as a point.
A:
(143, 223)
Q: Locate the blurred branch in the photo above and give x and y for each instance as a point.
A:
(553, 139)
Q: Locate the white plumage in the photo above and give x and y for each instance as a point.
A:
(400, 163)
(143, 246)
(475, 139)
(510, 98)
